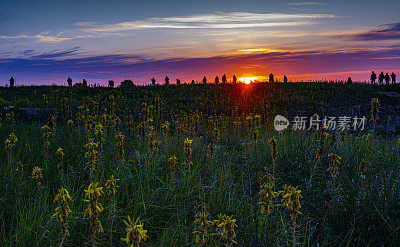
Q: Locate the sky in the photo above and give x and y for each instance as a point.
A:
(45, 41)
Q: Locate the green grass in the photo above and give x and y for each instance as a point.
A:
(227, 182)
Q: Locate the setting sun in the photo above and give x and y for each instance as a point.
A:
(248, 80)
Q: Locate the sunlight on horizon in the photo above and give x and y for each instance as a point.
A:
(248, 80)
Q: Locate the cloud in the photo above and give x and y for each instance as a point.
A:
(46, 37)
(389, 32)
(305, 3)
(57, 65)
(41, 37)
(217, 20)
(55, 54)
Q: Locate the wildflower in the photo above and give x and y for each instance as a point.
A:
(135, 234)
(267, 196)
(94, 208)
(375, 105)
(257, 119)
(37, 174)
(226, 228)
(333, 164)
(273, 146)
(11, 141)
(187, 147)
(98, 130)
(63, 210)
(165, 127)
(46, 134)
(120, 145)
(290, 198)
(366, 137)
(112, 186)
(92, 156)
(60, 154)
(202, 227)
(172, 161)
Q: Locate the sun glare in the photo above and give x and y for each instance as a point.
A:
(248, 80)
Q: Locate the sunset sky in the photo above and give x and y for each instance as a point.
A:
(45, 41)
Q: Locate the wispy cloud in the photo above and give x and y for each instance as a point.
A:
(46, 37)
(217, 20)
(55, 54)
(388, 32)
(41, 37)
(57, 64)
(305, 3)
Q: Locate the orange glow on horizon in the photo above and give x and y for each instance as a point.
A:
(248, 80)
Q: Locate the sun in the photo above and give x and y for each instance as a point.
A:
(248, 80)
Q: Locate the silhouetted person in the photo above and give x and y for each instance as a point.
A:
(373, 77)
(216, 80)
(387, 78)
(84, 82)
(192, 82)
(271, 77)
(110, 83)
(166, 80)
(12, 81)
(153, 81)
(381, 77)
(69, 80)
(393, 75)
(178, 82)
(223, 78)
(349, 80)
(204, 80)
(285, 79)
(234, 79)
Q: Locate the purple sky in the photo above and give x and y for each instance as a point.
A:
(44, 42)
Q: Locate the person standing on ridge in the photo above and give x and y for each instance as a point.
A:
(234, 79)
(223, 78)
(166, 80)
(271, 77)
(373, 77)
(393, 75)
(285, 79)
(12, 81)
(153, 81)
(204, 80)
(69, 81)
(216, 80)
(387, 79)
(381, 77)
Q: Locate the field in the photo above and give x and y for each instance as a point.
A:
(198, 165)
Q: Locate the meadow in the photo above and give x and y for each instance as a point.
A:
(197, 165)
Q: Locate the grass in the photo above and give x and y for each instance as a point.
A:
(354, 211)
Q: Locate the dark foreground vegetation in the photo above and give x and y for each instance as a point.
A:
(198, 165)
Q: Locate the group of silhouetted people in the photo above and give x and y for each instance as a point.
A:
(382, 77)
(178, 81)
